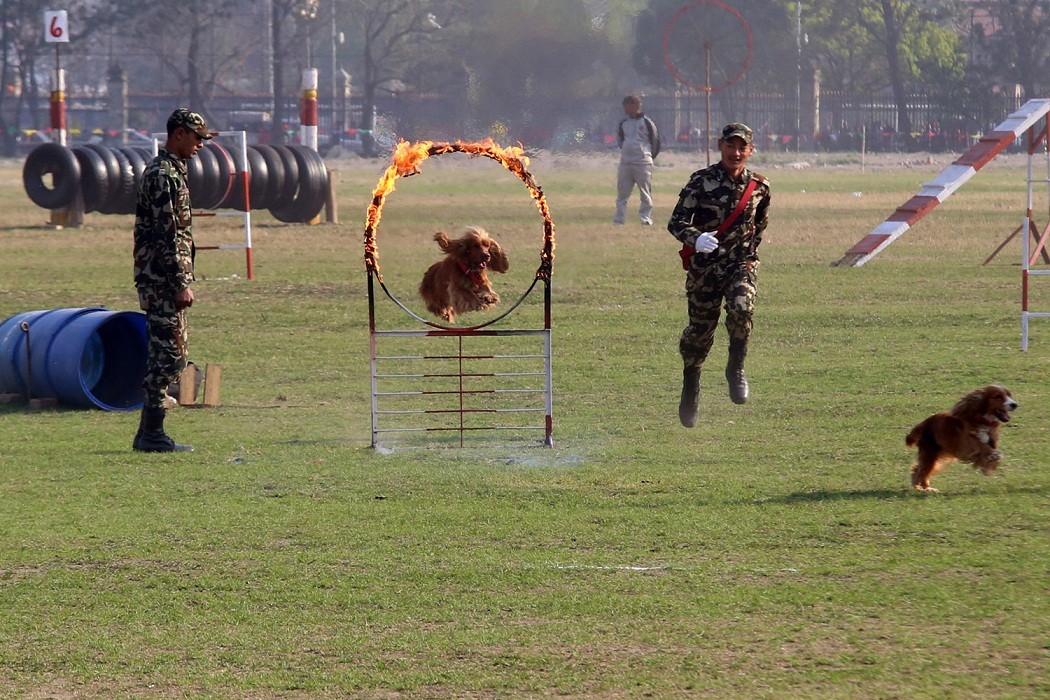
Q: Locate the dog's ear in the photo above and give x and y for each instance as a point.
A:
(973, 403)
(459, 248)
(499, 262)
(443, 241)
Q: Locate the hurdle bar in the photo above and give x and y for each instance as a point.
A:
(245, 174)
(455, 383)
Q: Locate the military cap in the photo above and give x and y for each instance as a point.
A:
(737, 129)
(190, 121)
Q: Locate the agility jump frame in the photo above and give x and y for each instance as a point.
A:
(245, 176)
(450, 385)
(459, 377)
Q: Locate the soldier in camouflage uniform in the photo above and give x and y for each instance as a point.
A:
(722, 269)
(164, 270)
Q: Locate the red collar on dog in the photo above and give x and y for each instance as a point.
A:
(473, 274)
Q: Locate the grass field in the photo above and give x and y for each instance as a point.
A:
(774, 551)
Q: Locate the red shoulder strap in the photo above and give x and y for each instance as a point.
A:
(744, 199)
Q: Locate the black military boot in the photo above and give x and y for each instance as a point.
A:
(151, 436)
(688, 407)
(738, 389)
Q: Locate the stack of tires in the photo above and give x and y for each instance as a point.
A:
(289, 180)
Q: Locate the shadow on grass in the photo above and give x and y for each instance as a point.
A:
(892, 494)
(824, 496)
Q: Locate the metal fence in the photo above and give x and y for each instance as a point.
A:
(838, 121)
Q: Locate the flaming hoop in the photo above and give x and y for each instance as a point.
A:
(406, 162)
(407, 159)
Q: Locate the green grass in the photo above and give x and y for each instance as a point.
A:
(774, 551)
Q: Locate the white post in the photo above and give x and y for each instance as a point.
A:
(1026, 230)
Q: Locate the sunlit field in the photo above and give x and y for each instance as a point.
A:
(776, 550)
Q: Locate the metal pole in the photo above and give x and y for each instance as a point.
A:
(798, 75)
(707, 102)
(335, 136)
(269, 49)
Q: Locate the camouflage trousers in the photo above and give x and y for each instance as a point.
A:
(706, 290)
(166, 336)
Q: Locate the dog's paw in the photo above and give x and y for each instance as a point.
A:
(925, 489)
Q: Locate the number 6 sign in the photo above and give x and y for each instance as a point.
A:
(56, 27)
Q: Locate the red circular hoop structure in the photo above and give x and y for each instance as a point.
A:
(712, 26)
(703, 38)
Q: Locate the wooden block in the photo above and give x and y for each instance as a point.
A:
(331, 208)
(187, 387)
(71, 216)
(42, 404)
(59, 218)
(12, 398)
(212, 384)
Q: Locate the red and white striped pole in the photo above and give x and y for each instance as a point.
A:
(58, 108)
(56, 31)
(308, 110)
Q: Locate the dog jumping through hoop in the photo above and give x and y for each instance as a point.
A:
(459, 282)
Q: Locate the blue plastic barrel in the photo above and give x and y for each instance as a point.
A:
(83, 357)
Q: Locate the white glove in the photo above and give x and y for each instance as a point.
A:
(705, 243)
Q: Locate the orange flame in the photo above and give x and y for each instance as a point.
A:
(406, 162)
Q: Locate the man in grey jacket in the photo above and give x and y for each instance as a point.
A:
(639, 143)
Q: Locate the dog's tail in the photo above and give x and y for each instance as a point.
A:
(913, 437)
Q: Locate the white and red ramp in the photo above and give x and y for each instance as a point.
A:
(944, 185)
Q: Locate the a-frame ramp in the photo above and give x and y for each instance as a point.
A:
(940, 188)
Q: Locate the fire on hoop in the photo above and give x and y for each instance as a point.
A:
(408, 157)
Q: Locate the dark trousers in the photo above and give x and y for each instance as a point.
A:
(707, 289)
(166, 336)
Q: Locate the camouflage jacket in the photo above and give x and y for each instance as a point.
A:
(708, 198)
(163, 232)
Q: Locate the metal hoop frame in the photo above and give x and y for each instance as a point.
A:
(407, 159)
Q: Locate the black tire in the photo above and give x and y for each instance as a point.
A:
(194, 173)
(259, 180)
(94, 182)
(113, 176)
(137, 160)
(290, 170)
(312, 191)
(122, 195)
(130, 187)
(275, 175)
(227, 172)
(59, 162)
(204, 185)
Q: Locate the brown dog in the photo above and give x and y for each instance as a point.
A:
(967, 433)
(459, 282)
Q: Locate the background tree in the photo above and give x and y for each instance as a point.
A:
(772, 26)
(897, 46)
(197, 42)
(24, 53)
(1020, 49)
(395, 36)
(529, 64)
